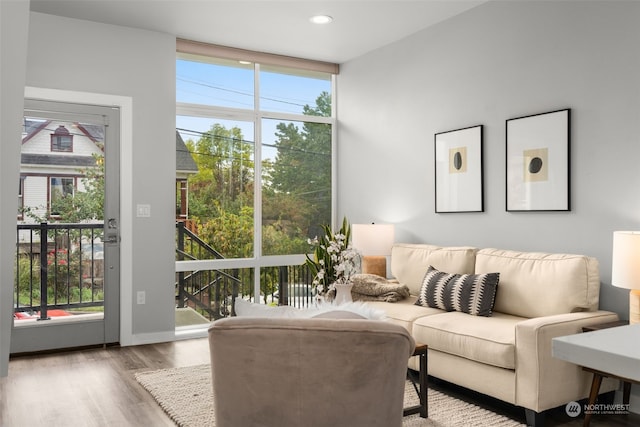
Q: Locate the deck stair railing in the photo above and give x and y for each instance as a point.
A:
(210, 291)
(213, 292)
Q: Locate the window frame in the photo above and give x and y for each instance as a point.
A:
(21, 197)
(56, 143)
(50, 178)
(256, 115)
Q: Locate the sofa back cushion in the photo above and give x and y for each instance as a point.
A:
(539, 284)
(409, 262)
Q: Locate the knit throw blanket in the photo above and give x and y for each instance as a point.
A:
(370, 287)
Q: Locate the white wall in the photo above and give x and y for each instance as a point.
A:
(83, 56)
(498, 61)
(14, 25)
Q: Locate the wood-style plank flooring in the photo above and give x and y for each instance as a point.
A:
(97, 388)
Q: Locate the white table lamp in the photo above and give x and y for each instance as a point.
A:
(374, 242)
(625, 269)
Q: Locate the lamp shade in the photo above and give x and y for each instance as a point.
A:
(625, 268)
(373, 239)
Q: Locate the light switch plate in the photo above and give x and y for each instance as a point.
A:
(143, 211)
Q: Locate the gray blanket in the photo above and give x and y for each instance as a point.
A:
(370, 287)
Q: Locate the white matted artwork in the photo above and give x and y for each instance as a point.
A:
(458, 170)
(538, 162)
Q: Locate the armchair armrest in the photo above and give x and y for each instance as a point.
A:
(542, 381)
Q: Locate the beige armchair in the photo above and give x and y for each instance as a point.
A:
(289, 372)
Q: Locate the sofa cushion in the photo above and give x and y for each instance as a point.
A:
(409, 262)
(468, 293)
(540, 284)
(403, 312)
(489, 340)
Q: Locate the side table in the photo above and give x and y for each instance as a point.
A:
(598, 375)
(421, 385)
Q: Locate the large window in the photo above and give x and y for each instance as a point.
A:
(261, 136)
(260, 131)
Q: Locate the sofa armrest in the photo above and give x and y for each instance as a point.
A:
(542, 381)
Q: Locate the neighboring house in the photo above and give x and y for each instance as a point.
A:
(54, 154)
(185, 166)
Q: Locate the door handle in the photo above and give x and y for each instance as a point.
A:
(111, 239)
(112, 235)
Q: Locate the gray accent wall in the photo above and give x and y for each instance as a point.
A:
(84, 56)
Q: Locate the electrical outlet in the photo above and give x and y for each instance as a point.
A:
(141, 297)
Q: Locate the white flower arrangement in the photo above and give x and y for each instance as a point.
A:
(334, 260)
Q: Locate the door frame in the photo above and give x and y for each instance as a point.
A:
(125, 104)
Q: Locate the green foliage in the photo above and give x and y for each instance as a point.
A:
(225, 172)
(302, 168)
(83, 205)
(229, 233)
(277, 240)
(65, 279)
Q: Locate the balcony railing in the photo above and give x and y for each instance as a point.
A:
(58, 266)
(61, 266)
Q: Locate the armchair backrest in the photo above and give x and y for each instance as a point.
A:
(287, 372)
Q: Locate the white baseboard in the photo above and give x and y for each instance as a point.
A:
(151, 338)
(187, 334)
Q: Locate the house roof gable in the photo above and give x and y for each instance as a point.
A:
(184, 160)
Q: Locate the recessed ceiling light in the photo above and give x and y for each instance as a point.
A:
(245, 62)
(321, 19)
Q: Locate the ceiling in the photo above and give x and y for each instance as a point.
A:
(280, 27)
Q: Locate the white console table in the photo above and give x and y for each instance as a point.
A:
(613, 353)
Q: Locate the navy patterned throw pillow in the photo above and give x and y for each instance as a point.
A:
(468, 293)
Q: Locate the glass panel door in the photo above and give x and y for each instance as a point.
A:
(66, 289)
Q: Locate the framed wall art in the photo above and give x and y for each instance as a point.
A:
(458, 170)
(538, 162)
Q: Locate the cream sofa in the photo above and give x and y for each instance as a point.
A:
(507, 355)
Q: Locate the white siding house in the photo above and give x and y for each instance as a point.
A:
(54, 155)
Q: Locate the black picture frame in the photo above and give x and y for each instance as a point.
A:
(459, 170)
(538, 162)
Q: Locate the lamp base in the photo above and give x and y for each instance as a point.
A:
(375, 265)
(634, 306)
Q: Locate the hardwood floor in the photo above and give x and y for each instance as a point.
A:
(97, 388)
(92, 388)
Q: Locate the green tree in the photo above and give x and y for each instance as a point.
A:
(85, 205)
(225, 172)
(221, 193)
(301, 171)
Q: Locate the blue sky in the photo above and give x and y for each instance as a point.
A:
(232, 86)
